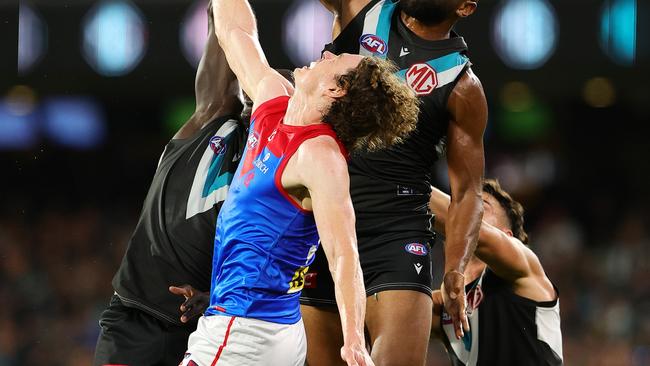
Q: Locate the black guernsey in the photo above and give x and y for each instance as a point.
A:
(173, 241)
(390, 188)
(505, 329)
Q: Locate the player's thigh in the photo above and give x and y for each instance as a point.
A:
(128, 336)
(324, 335)
(399, 324)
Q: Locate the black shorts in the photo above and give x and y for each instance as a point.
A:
(130, 336)
(388, 263)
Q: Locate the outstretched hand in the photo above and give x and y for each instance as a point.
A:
(195, 301)
(455, 301)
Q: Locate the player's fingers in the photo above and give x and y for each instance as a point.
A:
(456, 318)
(194, 311)
(181, 291)
(465, 322)
(194, 300)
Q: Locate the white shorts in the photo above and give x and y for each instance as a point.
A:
(234, 341)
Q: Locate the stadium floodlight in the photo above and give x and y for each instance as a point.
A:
(114, 37)
(525, 33)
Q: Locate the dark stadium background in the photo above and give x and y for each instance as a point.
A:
(569, 139)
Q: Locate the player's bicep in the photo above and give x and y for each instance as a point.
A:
(273, 85)
(326, 177)
(465, 155)
(505, 255)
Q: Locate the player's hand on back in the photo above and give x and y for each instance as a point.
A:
(454, 299)
(356, 355)
(195, 301)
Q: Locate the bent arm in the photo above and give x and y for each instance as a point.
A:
(328, 183)
(508, 257)
(236, 29)
(465, 158)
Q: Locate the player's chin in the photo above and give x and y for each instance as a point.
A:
(299, 70)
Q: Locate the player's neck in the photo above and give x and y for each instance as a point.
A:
(301, 110)
(427, 32)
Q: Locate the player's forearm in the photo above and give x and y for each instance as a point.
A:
(462, 230)
(216, 87)
(350, 295)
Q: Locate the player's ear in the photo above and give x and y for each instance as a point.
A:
(466, 8)
(335, 91)
(332, 87)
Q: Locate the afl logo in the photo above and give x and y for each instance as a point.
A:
(422, 78)
(416, 248)
(373, 44)
(217, 145)
(252, 141)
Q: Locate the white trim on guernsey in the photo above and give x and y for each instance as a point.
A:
(450, 75)
(370, 25)
(196, 203)
(548, 328)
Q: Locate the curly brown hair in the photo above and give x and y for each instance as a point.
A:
(378, 110)
(514, 210)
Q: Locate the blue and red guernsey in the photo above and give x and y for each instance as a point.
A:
(264, 241)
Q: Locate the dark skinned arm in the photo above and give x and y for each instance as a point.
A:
(217, 94)
(468, 110)
(344, 11)
(215, 87)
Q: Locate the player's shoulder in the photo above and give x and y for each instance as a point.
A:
(322, 150)
(321, 145)
(270, 88)
(468, 84)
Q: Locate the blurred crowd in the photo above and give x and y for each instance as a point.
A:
(56, 266)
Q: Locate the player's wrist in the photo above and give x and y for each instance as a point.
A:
(453, 281)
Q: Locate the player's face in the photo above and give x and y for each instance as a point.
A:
(321, 74)
(429, 11)
(493, 213)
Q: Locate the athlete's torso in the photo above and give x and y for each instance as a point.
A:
(396, 182)
(264, 241)
(172, 242)
(505, 329)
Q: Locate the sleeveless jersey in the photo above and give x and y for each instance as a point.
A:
(390, 188)
(265, 241)
(172, 242)
(505, 329)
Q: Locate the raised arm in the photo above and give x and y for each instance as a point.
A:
(465, 158)
(327, 180)
(216, 88)
(344, 11)
(236, 30)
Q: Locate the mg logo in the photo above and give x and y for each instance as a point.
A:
(422, 79)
